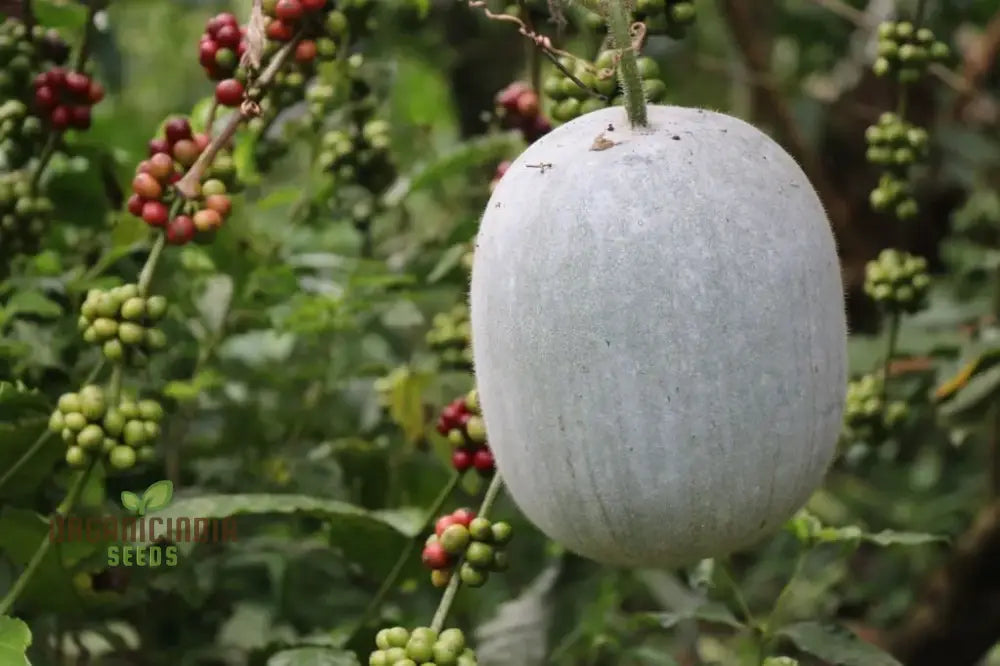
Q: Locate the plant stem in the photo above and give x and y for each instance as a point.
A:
(726, 570)
(890, 352)
(22, 581)
(43, 159)
(775, 618)
(448, 598)
(146, 275)
(42, 438)
(619, 25)
(88, 34)
(404, 556)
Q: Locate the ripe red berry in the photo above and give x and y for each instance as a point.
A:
(508, 97)
(289, 11)
(45, 98)
(96, 92)
(461, 459)
(177, 129)
(443, 523)
(56, 77)
(186, 152)
(158, 145)
(201, 141)
(206, 52)
(528, 103)
(155, 213)
(207, 219)
(180, 230)
(79, 117)
(161, 165)
(451, 414)
(443, 425)
(463, 516)
(229, 92)
(59, 117)
(483, 460)
(228, 36)
(41, 79)
(219, 203)
(434, 556)
(305, 51)
(279, 31)
(135, 204)
(146, 186)
(313, 5)
(77, 83)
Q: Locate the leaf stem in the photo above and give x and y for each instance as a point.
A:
(22, 581)
(448, 598)
(404, 556)
(619, 25)
(725, 568)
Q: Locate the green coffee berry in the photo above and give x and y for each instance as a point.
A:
(134, 309)
(898, 281)
(75, 421)
(420, 650)
(122, 457)
(114, 422)
(502, 533)
(150, 410)
(471, 575)
(130, 333)
(91, 437)
(481, 529)
(56, 421)
(455, 539)
(453, 638)
(134, 433)
(480, 555)
(76, 457)
(69, 402)
(397, 637)
(113, 350)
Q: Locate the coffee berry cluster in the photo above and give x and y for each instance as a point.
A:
(23, 52)
(153, 195)
(358, 153)
(64, 98)
(474, 544)
(868, 418)
(462, 423)
(905, 51)
(451, 337)
(569, 100)
(421, 647)
(898, 281)
(20, 133)
(661, 17)
(312, 18)
(90, 427)
(895, 143)
(24, 216)
(519, 107)
(123, 322)
(219, 51)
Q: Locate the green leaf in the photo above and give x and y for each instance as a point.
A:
(892, 538)
(158, 495)
(712, 612)
(18, 401)
(836, 645)
(130, 501)
(980, 390)
(62, 15)
(449, 259)
(15, 637)
(16, 439)
(313, 656)
(33, 303)
(371, 539)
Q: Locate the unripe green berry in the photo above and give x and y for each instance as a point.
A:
(155, 339)
(134, 309)
(378, 658)
(454, 638)
(472, 576)
(456, 437)
(445, 655)
(440, 577)
(481, 529)
(424, 634)
(455, 539)
(146, 453)
(76, 457)
(130, 333)
(91, 437)
(420, 650)
(106, 306)
(394, 655)
(406, 662)
(125, 292)
(156, 306)
(90, 335)
(69, 402)
(150, 410)
(114, 422)
(113, 350)
(134, 433)
(502, 533)
(480, 555)
(75, 421)
(93, 407)
(108, 445)
(56, 421)
(122, 457)
(397, 637)
(68, 436)
(152, 429)
(129, 409)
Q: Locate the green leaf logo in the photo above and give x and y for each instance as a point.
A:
(157, 496)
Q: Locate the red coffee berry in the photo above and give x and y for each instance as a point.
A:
(482, 460)
(146, 186)
(201, 141)
(177, 129)
(56, 77)
(59, 117)
(289, 11)
(79, 117)
(77, 83)
(206, 52)
(219, 203)
(45, 98)
(279, 31)
(451, 414)
(180, 230)
(228, 36)
(508, 97)
(158, 146)
(41, 79)
(527, 103)
(134, 205)
(186, 152)
(461, 459)
(535, 128)
(96, 92)
(434, 556)
(313, 5)
(443, 425)
(229, 92)
(161, 165)
(305, 51)
(155, 213)
(207, 219)
(463, 516)
(443, 523)
(242, 48)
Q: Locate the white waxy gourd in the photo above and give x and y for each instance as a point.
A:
(659, 335)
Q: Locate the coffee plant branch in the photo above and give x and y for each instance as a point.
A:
(88, 35)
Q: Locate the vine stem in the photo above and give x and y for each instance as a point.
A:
(448, 598)
(42, 438)
(22, 581)
(404, 556)
(619, 25)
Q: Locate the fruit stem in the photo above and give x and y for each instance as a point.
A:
(43, 437)
(88, 34)
(43, 159)
(890, 352)
(404, 557)
(448, 598)
(22, 581)
(619, 25)
(146, 274)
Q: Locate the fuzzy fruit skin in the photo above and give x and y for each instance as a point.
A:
(659, 336)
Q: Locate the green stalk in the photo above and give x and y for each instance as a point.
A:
(619, 24)
(448, 598)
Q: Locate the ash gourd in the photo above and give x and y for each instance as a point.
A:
(659, 335)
